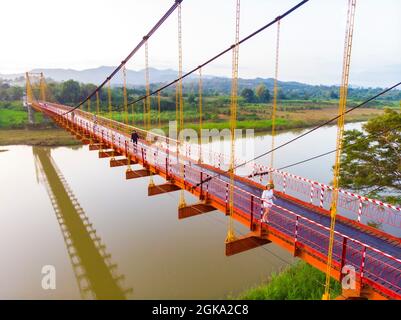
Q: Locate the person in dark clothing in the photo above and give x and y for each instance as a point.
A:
(134, 138)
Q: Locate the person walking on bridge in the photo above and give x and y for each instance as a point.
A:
(134, 138)
(267, 200)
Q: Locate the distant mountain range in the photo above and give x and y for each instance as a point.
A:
(137, 78)
(97, 75)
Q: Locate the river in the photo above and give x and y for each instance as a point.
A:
(154, 253)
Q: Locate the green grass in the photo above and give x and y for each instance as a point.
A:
(12, 118)
(13, 115)
(298, 282)
(215, 115)
(257, 125)
(165, 116)
(44, 137)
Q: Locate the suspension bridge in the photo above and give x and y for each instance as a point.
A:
(323, 225)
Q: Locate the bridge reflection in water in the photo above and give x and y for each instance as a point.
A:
(95, 273)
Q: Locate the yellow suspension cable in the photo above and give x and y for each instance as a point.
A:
(234, 101)
(147, 100)
(109, 100)
(275, 91)
(158, 110)
(110, 114)
(340, 134)
(29, 92)
(200, 114)
(46, 93)
(89, 110)
(98, 113)
(42, 87)
(97, 103)
(132, 111)
(126, 111)
(182, 202)
(144, 114)
(177, 106)
(125, 95)
(147, 123)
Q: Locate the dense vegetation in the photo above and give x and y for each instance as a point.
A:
(13, 116)
(255, 90)
(298, 282)
(371, 161)
(254, 111)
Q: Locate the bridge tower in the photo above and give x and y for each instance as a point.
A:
(29, 98)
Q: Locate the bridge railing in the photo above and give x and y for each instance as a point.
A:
(350, 205)
(370, 264)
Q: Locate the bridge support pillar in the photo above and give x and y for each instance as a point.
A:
(194, 210)
(97, 146)
(360, 293)
(85, 140)
(119, 162)
(108, 154)
(245, 243)
(31, 114)
(162, 188)
(133, 174)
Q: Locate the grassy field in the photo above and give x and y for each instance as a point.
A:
(49, 137)
(285, 120)
(298, 282)
(290, 115)
(13, 115)
(320, 115)
(15, 129)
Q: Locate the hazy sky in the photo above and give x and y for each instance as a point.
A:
(81, 34)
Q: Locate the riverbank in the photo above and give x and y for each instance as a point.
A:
(297, 282)
(44, 137)
(299, 119)
(286, 120)
(59, 137)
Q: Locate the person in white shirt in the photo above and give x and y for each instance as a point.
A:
(267, 200)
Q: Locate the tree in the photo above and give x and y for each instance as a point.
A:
(333, 94)
(371, 160)
(281, 95)
(86, 89)
(191, 98)
(262, 93)
(70, 91)
(248, 95)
